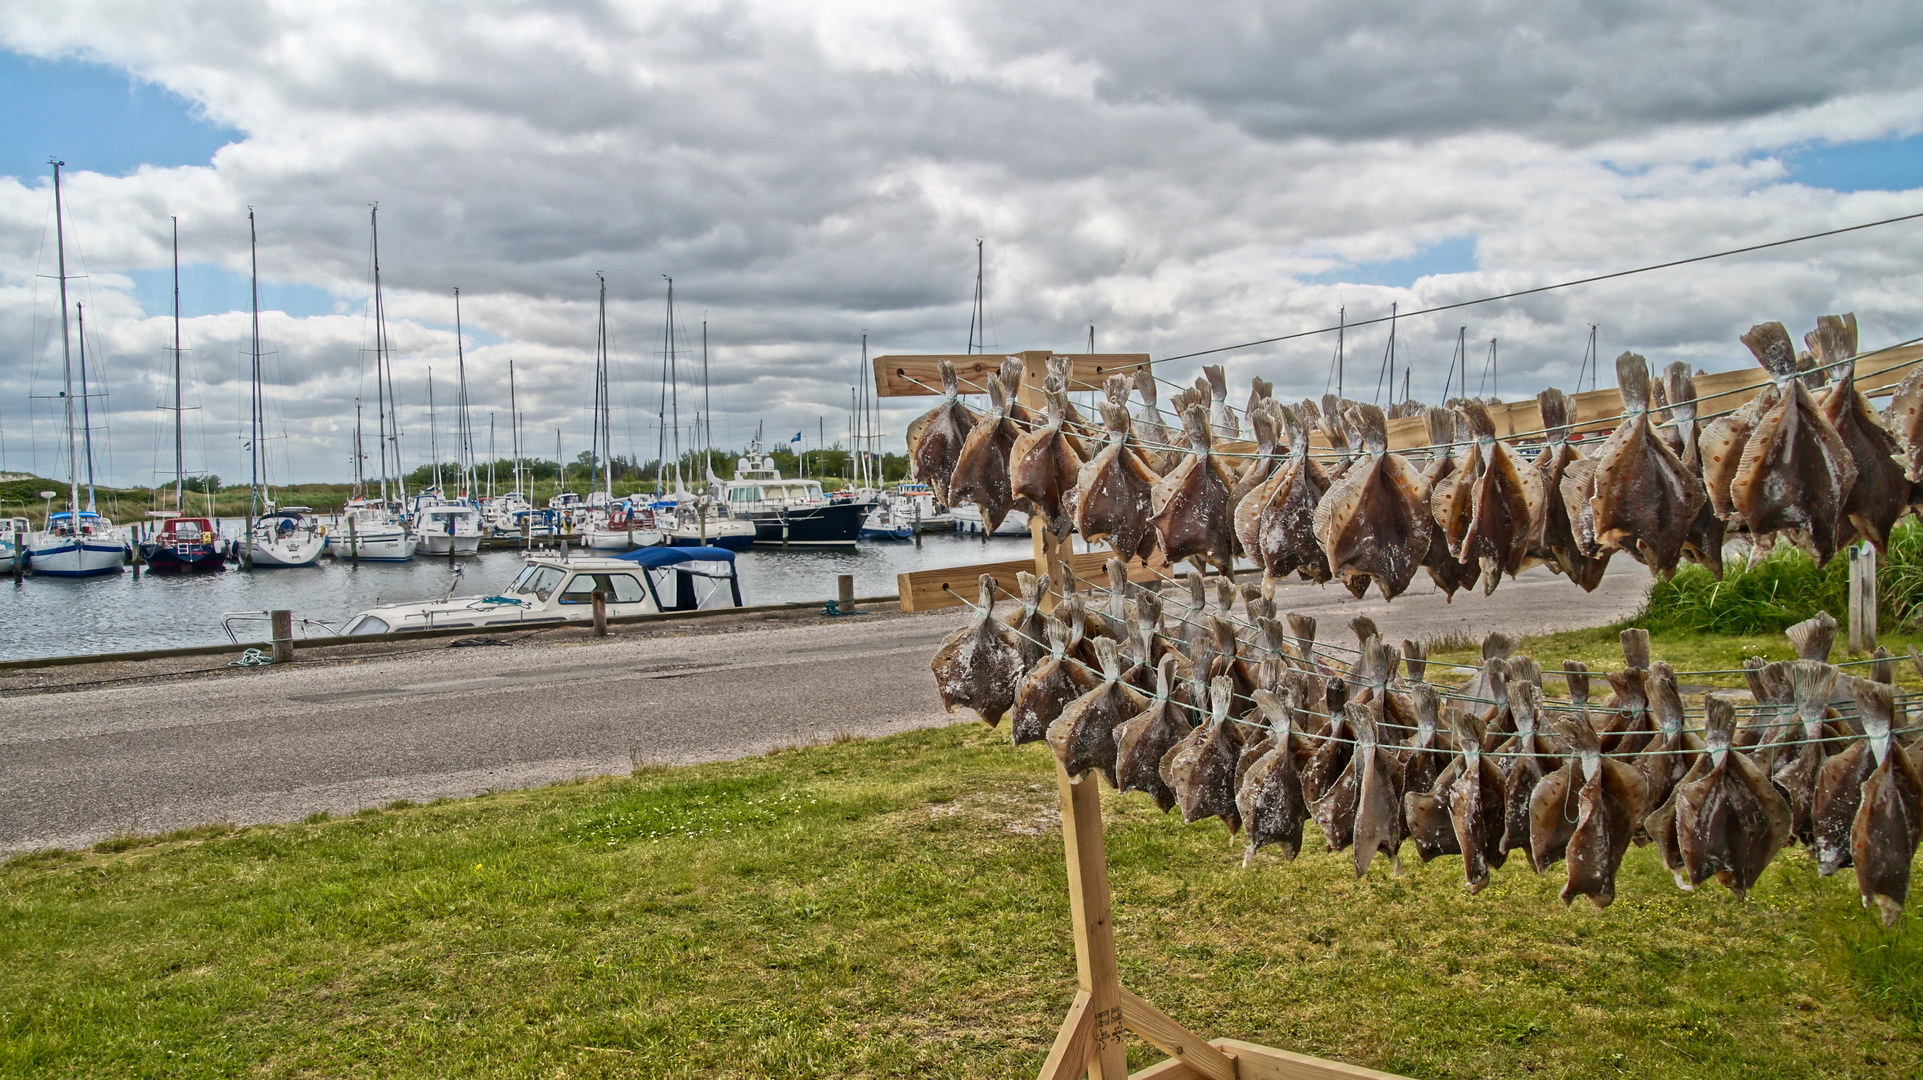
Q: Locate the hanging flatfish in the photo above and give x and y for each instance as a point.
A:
(1259, 465)
(1904, 419)
(1048, 688)
(1043, 464)
(1645, 499)
(1115, 613)
(1157, 441)
(1476, 806)
(1378, 826)
(1269, 797)
(1221, 421)
(1797, 767)
(1373, 523)
(1275, 522)
(1200, 769)
(1452, 500)
(1839, 783)
(1031, 636)
(1083, 737)
(1112, 492)
(1774, 719)
(1261, 394)
(1730, 821)
(1527, 757)
(980, 475)
(1796, 472)
(1496, 645)
(1429, 750)
(935, 437)
(978, 666)
(1705, 542)
(1192, 502)
(1888, 822)
(1579, 497)
(1668, 757)
(1881, 494)
(1229, 663)
(1012, 373)
(1441, 474)
(1425, 811)
(1612, 798)
(1554, 808)
(1555, 541)
(1630, 728)
(1144, 740)
(1506, 504)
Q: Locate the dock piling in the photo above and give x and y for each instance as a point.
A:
(845, 593)
(600, 613)
(283, 632)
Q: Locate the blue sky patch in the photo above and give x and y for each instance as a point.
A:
(208, 289)
(1875, 165)
(1455, 255)
(98, 118)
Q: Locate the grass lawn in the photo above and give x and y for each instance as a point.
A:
(892, 908)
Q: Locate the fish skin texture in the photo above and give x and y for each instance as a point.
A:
(980, 475)
(1192, 514)
(1201, 768)
(1083, 737)
(979, 665)
(1371, 521)
(1884, 835)
(1645, 498)
(1795, 472)
(1881, 493)
(935, 438)
(1112, 493)
(1043, 464)
(1146, 738)
(1506, 505)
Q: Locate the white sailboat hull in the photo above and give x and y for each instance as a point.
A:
(301, 551)
(374, 545)
(442, 544)
(60, 556)
(620, 539)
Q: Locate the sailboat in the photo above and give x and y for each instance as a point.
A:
(78, 542)
(611, 526)
(182, 543)
(368, 529)
(284, 536)
(704, 521)
(449, 527)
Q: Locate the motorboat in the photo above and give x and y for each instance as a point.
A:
(288, 536)
(553, 589)
(184, 545)
(624, 528)
(916, 503)
(788, 512)
(504, 513)
(445, 527)
(368, 531)
(94, 547)
(13, 540)
(968, 519)
(688, 521)
(884, 522)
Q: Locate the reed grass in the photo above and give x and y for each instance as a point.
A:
(1784, 588)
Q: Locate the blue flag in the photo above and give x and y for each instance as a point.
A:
(797, 438)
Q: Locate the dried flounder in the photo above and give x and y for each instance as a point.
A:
(1083, 737)
(1839, 783)
(1043, 464)
(1363, 808)
(1880, 495)
(1796, 472)
(1796, 770)
(980, 475)
(1556, 540)
(1192, 502)
(1611, 801)
(935, 438)
(1221, 421)
(1372, 523)
(1527, 758)
(1506, 505)
(1276, 520)
(1721, 445)
(1888, 822)
(1152, 428)
(1645, 498)
(1269, 797)
(1200, 769)
(1145, 739)
(1031, 635)
(1112, 492)
(978, 666)
(1442, 474)
(1048, 688)
(1730, 821)
(1476, 806)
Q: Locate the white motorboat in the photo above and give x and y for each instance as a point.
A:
(785, 511)
(288, 536)
(368, 531)
(504, 513)
(96, 547)
(968, 519)
(13, 540)
(447, 528)
(703, 522)
(884, 522)
(551, 589)
(916, 504)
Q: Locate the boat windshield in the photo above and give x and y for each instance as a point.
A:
(538, 581)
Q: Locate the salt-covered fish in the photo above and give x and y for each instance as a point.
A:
(1373, 522)
(1112, 492)
(1200, 769)
(1797, 768)
(1044, 463)
(1730, 821)
(1191, 503)
(1275, 521)
(978, 666)
(980, 475)
(1146, 738)
(1555, 541)
(1645, 499)
(1269, 796)
(1048, 688)
(1611, 801)
(1083, 737)
(1476, 806)
(1031, 635)
(1881, 494)
(1839, 783)
(1221, 421)
(1158, 441)
(1526, 758)
(1506, 504)
(1889, 821)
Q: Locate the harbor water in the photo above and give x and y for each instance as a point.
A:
(45, 616)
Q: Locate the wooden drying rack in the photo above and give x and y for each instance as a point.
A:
(1090, 1040)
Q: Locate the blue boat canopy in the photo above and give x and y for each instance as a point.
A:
(671, 556)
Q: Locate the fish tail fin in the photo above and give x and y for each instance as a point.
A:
(1770, 343)
(1813, 637)
(1635, 642)
(1632, 378)
(1558, 412)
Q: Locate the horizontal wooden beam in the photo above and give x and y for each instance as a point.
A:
(920, 375)
(922, 590)
(1253, 1062)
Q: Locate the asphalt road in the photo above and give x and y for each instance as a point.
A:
(150, 753)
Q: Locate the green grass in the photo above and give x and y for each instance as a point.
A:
(891, 908)
(1785, 588)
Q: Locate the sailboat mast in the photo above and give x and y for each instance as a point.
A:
(466, 448)
(180, 455)
(66, 348)
(360, 482)
(707, 410)
(256, 426)
(86, 411)
(433, 428)
(514, 425)
(594, 424)
(380, 351)
(605, 415)
(674, 388)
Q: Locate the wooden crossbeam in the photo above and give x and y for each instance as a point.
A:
(920, 376)
(923, 590)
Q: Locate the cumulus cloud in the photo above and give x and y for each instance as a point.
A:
(1180, 178)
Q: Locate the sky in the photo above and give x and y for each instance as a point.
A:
(1179, 178)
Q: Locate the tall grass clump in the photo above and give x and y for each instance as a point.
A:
(1784, 588)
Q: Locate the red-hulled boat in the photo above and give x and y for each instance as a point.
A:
(185, 544)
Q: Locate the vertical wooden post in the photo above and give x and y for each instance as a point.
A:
(845, 593)
(600, 613)
(1096, 972)
(1862, 598)
(283, 636)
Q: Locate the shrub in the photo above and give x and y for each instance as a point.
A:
(1784, 588)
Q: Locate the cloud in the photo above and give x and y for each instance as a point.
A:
(1180, 178)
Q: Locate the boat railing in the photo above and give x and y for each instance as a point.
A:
(232, 619)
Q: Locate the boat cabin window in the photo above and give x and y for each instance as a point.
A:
(744, 494)
(621, 589)
(538, 580)
(367, 624)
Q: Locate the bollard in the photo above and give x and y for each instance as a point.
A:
(600, 613)
(845, 593)
(283, 636)
(1862, 598)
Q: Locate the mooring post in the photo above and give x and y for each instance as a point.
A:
(283, 634)
(845, 593)
(1862, 598)
(600, 613)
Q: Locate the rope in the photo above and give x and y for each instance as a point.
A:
(251, 658)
